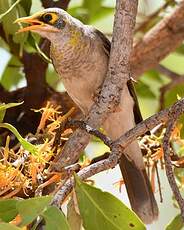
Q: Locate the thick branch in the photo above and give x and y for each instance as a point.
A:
(3, 94)
(164, 38)
(117, 76)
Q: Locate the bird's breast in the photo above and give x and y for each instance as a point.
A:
(82, 73)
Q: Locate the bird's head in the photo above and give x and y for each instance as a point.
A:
(50, 23)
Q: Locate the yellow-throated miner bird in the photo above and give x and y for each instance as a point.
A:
(80, 55)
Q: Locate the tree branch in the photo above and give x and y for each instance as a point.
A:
(154, 15)
(173, 116)
(117, 76)
(117, 148)
(176, 79)
(63, 4)
(90, 130)
(157, 43)
(169, 73)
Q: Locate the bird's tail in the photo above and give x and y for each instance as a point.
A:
(139, 190)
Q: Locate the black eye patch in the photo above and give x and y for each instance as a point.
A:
(60, 24)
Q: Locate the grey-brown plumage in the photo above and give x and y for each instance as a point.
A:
(80, 55)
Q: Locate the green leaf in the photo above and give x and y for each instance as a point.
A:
(153, 74)
(73, 217)
(8, 17)
(4, 5)
(102, 211)
(52, 77)
(103, 12)
(11, 77)
(55, 219)
(5, 226)
(174, 62)
(9, 9)
(26, 4)
(80, 13)
(31, 208)
(91, 11)
(2, 115)
(170, 97)
(92, 6)
(4, 107)
(26, 145)
(20, 38)
(144, 90)
(180, 49)
(175, 224)
(29, 46)
(8, 210)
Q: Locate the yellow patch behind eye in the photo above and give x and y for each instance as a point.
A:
(54, 18)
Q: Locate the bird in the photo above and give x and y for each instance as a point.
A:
(80, 55)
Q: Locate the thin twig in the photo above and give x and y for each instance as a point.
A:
(173, 116)
(169, 73)
(83, 174)
(176, 79)
(158, 181)
(151, 17)
(57, 139)
(163, 90)
(158, 42)
(90, 130)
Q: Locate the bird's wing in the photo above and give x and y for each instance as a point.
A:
(105, 41)
(107, 48)
(137, 112)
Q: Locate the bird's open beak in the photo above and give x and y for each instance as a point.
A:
(34, 24)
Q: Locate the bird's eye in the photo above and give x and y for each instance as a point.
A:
(47, 17)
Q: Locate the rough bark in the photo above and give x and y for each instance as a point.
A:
(157, 43)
